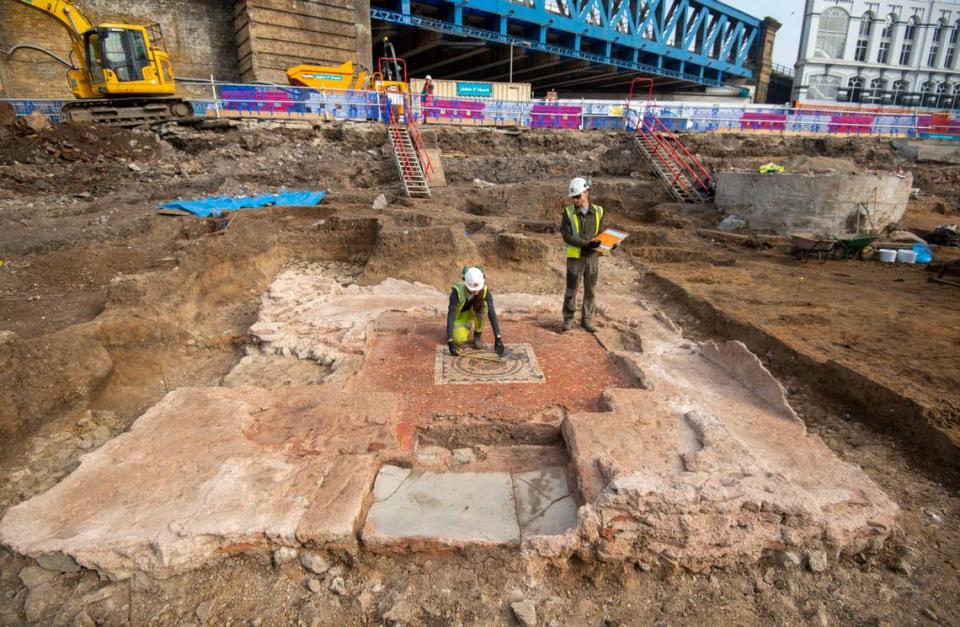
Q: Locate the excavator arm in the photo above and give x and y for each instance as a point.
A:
(65, 12)
(70, 17)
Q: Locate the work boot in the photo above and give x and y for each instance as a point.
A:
(567, 325)
(588, 326)
(477, 342)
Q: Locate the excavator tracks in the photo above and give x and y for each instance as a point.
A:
(132, 112)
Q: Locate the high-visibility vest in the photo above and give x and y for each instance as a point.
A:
(573, 252)
(463, 293)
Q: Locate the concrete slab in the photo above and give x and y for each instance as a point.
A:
(453, 509)
(818, 202)
(544, 503)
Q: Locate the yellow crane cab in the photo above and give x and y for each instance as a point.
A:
(123, 60)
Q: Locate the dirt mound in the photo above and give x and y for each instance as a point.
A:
(77, 142)
(720, 151)
(432, 255)
(42, 375)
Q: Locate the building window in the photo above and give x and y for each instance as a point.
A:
(901, 89)
(863, 37)
(935, 44)
(883, 53)
(855, 89)
(928, 97)
(823, 87)
(942, 91)
(906, 52)
(878, 88)
(832, 34)
(951, 46)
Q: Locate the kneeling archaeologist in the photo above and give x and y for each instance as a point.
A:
(470, 300)
(582, 221)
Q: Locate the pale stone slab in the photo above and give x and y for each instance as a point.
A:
(709, 466)
(545, 506)
(447, 508)
(198, 474)
(737, 360)
(388, 480)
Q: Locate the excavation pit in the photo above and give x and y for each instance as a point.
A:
(706, 465)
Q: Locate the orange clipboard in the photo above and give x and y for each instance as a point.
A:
(610, 238)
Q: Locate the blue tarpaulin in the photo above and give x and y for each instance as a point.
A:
(216, 205)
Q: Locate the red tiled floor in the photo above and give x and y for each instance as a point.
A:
(577, 370)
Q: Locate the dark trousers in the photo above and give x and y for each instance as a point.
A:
(588, 267)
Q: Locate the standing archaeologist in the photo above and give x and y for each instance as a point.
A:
(426, 98)
(582, 221)
(470, 300)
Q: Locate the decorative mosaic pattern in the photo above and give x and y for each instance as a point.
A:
(518, 365)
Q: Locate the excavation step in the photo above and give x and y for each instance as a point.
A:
(416, 509)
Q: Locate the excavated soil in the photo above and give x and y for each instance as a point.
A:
(106, 306)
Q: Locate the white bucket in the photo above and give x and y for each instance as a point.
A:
(887, 255)
(906, 256)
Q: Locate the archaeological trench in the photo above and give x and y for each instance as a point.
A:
(257, 421)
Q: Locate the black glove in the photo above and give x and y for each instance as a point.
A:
(498, 346)
(594, 243)
(454, 349)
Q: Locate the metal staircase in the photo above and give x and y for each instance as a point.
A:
(410, 156)
(684, 176)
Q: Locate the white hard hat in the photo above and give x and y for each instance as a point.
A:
(429, 78)
(578, 185)
(473, 277)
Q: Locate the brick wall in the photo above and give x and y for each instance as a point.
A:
(199, 35)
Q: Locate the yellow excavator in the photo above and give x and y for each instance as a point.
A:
(120, 73)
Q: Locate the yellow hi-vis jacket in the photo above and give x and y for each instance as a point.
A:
(463, 292)
(573, 252)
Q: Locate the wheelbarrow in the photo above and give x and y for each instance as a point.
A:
(805, 244)
(851, 245)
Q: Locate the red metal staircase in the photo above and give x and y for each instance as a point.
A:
(684, 176)
(409, 154)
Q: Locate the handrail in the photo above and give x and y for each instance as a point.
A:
(692, 162)
(670, 161)
(668, 143)
(420, 147)
(416, 138)
(670, 153)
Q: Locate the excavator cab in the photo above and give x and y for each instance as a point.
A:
(123, 60)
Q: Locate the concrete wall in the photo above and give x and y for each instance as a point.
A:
(198, 34)
(822, 203)
(273, 35)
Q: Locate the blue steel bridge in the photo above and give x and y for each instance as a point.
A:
(571, 45)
